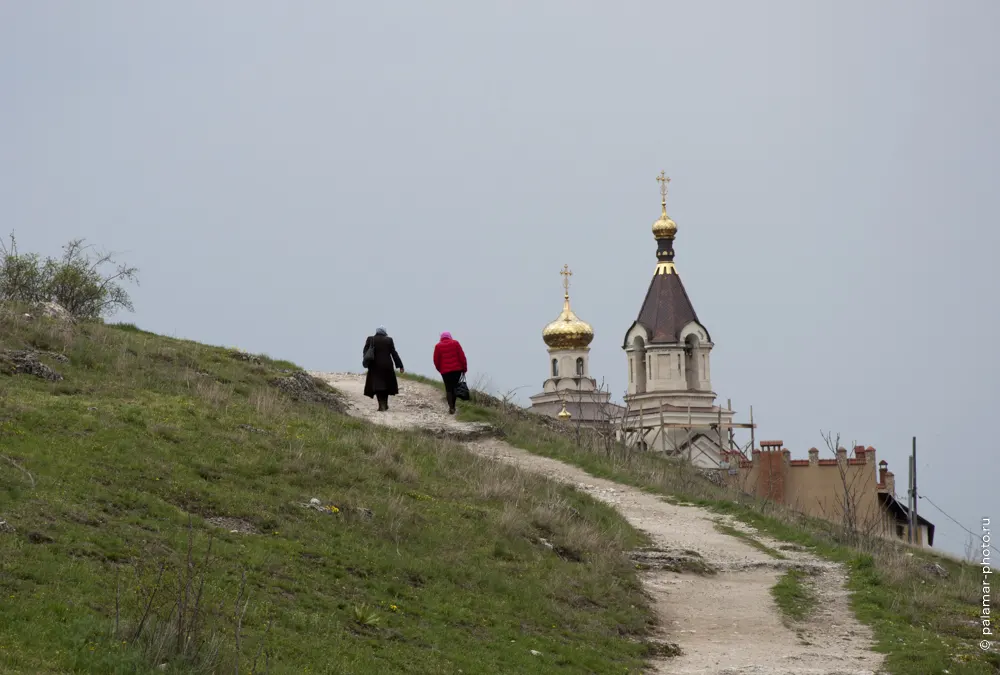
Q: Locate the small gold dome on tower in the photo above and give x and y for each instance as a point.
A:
(564, 414)
(664, 228)
(567, 331)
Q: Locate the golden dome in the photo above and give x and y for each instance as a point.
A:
(567, 331)
(664, 228)
(564, 414)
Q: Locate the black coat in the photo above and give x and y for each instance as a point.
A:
(381, 378)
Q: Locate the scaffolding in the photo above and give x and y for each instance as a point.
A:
(635, 435)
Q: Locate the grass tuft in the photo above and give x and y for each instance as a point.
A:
(793, 596)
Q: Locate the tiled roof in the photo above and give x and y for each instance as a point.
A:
(666, 309)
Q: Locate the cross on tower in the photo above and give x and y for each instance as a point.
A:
(566, 274)
(663, 180)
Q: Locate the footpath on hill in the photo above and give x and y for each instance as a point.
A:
(725, 623)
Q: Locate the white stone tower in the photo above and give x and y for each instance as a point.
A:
(570, 392)
(670, 400)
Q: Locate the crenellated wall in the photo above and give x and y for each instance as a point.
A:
(823, 488)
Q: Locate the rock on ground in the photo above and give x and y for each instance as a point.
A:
(26, 362)
(724, 623)
(53, 310)
(301, 386)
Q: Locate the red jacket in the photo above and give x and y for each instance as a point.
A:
(449, 357)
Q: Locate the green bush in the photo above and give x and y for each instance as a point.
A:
(78, 282)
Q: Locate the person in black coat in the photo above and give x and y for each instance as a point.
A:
(381, 379)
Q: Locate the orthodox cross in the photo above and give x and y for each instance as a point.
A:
(566, 274)
(663, 179)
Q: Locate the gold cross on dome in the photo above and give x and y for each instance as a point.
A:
(663, 180)
(566, 274)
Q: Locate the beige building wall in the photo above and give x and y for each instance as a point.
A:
(822, 488)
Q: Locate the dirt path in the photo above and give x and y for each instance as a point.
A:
(725, 624)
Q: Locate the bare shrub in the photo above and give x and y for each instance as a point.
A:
(399, 516)
(498, 481)
(125, 362)
(267, 402)
(571, 537)
(214, 393)
(513, 522)
(170, 619)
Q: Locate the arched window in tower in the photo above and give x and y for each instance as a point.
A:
(639, 357)
(579, 366)
(555, 367)
(691, 360)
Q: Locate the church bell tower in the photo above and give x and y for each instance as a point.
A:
(569, 392)
(668, 350)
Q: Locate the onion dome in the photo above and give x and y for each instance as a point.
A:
(567, 331)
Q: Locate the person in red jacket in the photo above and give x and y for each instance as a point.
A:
(449, 359)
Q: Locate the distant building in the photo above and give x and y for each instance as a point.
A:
(570, 393)
(843, 490)
(670, 405)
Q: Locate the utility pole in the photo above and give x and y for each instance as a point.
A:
(909, 501)
(914, 522)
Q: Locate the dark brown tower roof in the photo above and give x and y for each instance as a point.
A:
(667, 308)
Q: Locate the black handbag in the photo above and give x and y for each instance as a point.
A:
(369, 356)
(462, 389)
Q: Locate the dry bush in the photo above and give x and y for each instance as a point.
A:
(171, 621)
(267, 402)
(513, 522)
(494, 480)
(401, 471)
(387, 454)
(572, 537)
(215, 394)
(399, 517)
(125, 362)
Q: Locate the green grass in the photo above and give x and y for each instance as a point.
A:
(793, 597)
(749, 539)
(923, 623)
(420, 559)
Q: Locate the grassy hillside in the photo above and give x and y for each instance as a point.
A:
(155, 509)
(926, 623)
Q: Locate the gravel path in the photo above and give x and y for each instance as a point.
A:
(725, 624)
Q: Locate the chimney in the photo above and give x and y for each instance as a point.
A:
(772, 472)
(841, 455)
(787, 455)
(890, 483)
(813, 457)
(861, 453)
(883, 469)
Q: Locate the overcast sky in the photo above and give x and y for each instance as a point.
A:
(289, 175)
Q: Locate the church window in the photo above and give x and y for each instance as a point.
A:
(640, 365)
(555, 367)
(691, 361)
(579, 366)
